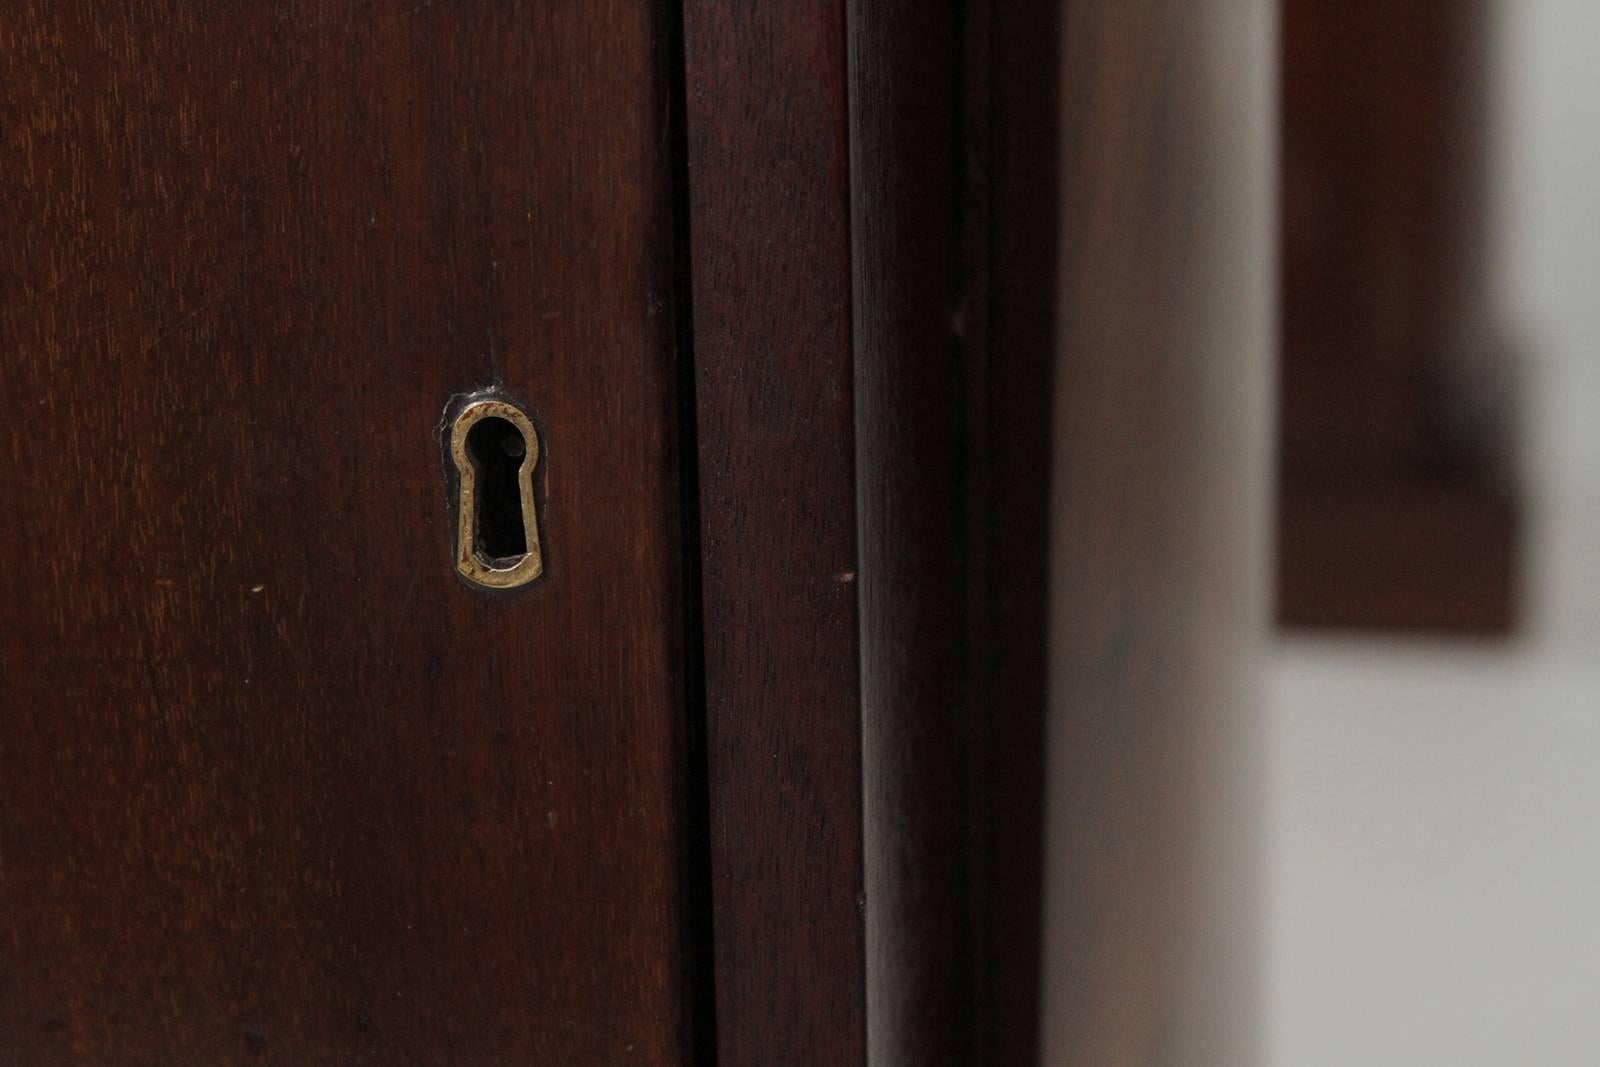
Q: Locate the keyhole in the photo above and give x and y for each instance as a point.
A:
(493, 446)
(497, 449)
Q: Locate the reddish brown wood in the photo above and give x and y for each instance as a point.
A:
(770, 269)
(1392, 399)
(286, 789)
(911, 387)
(278, 787)
(1432, 558)
(1160, 534)
(1071, 210)
(1014, 116)
(955, 133)
(951, 449)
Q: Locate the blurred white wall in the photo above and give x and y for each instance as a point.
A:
(1434, 839)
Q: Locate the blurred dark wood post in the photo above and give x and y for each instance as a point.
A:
(1394, 510)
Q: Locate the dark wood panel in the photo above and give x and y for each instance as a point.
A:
(1159, 531)
(1395, 406)
(770, 266)
(279, 788)
(954, 131)
(1014, 115)
(1433, 558)
(912, 387)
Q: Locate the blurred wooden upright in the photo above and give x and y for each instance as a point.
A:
(1395, 512)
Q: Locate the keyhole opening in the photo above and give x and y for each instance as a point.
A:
(497, 450)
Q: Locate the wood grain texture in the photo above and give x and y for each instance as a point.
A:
(908, 171)
(279, 788)
(954, 156)
(1159, 531)
(770, 264)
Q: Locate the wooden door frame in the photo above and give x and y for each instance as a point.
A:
(872, 351)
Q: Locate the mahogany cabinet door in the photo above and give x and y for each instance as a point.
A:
(753, 773)
(278, 787)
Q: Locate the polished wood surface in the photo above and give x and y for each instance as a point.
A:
(954, 172)
(753, 772)
(769, 258)
(1159, 531)
(1015, 258)
(912, 384)
(279, 787)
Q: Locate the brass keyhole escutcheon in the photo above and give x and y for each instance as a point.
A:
(495, 449)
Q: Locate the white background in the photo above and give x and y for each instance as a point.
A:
(1433, 844)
